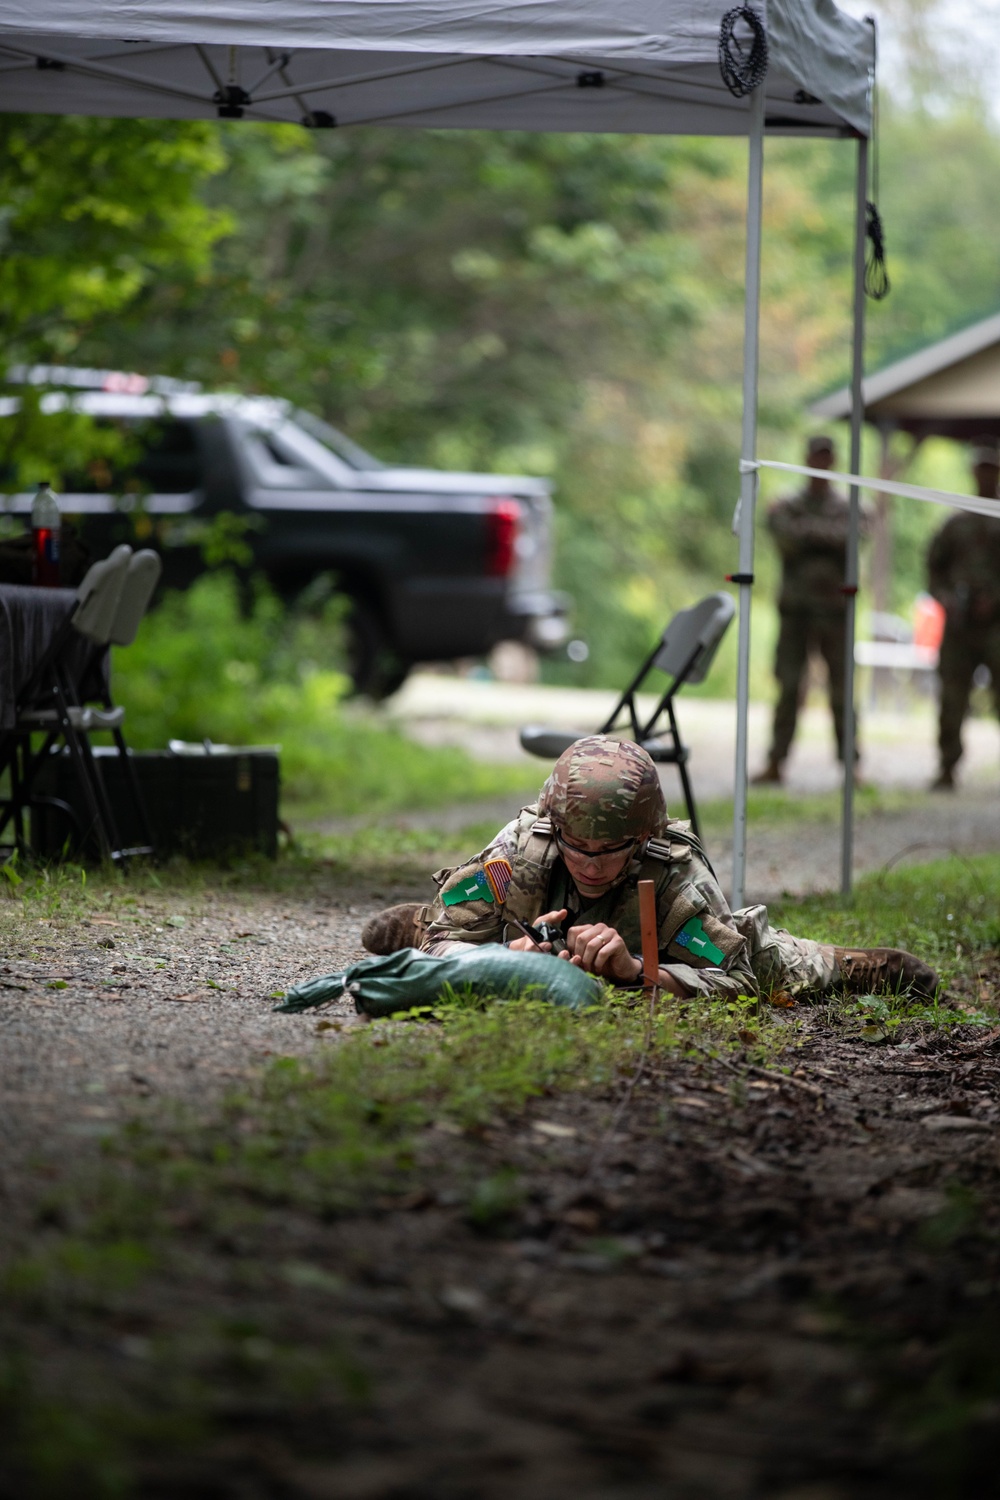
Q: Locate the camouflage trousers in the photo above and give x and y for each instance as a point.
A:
(781, 961)
(963, 649)
(804, 632)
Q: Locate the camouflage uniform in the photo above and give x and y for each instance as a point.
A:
(810, 532)
(610, 790)
(963, 566)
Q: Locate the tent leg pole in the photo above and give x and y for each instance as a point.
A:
(748, 485)
(853, 525)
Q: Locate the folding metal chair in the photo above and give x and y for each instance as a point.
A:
(141, 577)
(684, 652)
(112, 600)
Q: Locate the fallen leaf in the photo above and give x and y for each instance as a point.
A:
(416, 1198)
(752, 1163)
(462, 1299)
(782, 1000)
(585, 1219)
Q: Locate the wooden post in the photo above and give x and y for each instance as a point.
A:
(650, 940)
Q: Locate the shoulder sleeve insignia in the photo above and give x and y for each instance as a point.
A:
(472, 887)
(694, 937)
(498, 873)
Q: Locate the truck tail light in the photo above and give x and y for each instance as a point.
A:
(503, 521)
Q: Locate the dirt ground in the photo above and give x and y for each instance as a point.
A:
(716, 1282)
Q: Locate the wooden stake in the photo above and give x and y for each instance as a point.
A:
(650, 941)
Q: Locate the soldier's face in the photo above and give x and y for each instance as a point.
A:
(595, 864)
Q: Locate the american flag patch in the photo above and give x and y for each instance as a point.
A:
(498, 873)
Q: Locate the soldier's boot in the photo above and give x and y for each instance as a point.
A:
(397, 927)
(868, 971)
(945, 781)
(770, 776)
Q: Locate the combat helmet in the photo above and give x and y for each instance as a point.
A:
(601, 788)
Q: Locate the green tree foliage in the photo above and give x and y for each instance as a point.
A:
(208, 665)
(432, 291)
(943, 224)
(573, 306)
(92, 212)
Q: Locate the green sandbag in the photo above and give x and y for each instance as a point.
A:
(399, 981)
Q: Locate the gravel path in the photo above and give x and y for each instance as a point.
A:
(165, 995)
(898, 737)
(173, 996)
(168, 999)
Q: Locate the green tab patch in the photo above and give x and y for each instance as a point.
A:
(694, 937)
(472, 888)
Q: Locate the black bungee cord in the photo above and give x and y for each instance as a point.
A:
(877, 283)
(742, 58)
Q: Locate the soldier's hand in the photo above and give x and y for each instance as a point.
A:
(601, 950)
(526, 945)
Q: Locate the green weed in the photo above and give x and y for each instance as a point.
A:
(945, 911)
(203, 667)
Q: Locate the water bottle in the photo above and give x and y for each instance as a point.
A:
(45, 527)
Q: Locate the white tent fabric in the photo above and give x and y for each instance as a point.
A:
(584, 65)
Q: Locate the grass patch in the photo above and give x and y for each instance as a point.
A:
(945, 911)
(330, 1136)
(774, 807)
(178, 1293)
(205, 667)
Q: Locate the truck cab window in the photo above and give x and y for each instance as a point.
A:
(278, 466)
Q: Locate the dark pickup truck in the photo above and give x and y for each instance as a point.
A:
(436, 565)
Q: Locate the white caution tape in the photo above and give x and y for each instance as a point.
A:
(974, 503)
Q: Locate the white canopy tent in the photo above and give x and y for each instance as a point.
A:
(636, 66)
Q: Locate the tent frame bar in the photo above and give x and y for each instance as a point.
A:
(853, 522)
(746, 510)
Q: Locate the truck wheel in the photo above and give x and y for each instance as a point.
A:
(375, 668)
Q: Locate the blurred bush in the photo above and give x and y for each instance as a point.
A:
(235, 666)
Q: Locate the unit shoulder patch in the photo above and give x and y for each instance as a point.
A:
(704, 939)
(694, 937)
(473, 886)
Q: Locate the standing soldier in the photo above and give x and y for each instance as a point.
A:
(810, 531)
(963, 568)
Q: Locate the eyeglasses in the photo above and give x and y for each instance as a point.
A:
(604, 853)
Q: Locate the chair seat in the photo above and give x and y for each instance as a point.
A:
(665, 755)
(549, 743)
(87, 720)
